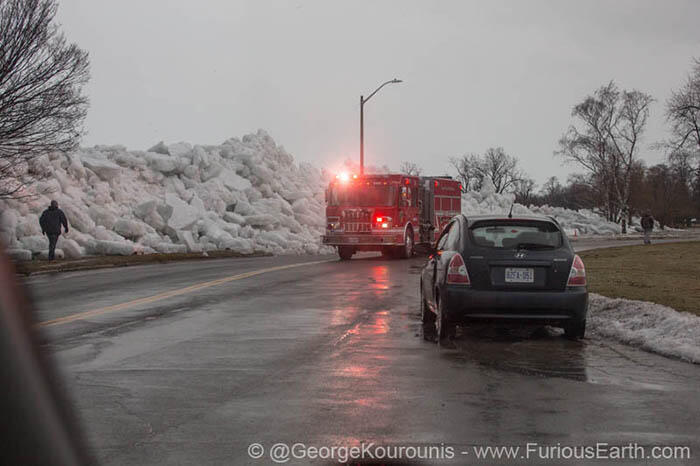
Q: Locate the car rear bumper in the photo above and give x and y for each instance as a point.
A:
(546, 307)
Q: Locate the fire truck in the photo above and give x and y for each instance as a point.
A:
(388, 213)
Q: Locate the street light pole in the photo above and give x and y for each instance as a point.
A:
(362, 135)
(362, 122)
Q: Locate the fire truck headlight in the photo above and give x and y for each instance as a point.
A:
(344, 177)
(383, 222)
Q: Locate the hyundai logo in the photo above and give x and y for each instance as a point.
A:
(520, 255)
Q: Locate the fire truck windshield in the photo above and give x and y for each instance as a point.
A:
(363, 196)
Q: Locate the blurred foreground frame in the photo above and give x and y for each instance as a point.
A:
(39, 426)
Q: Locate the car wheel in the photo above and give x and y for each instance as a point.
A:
(575, 330)
(427, 318)
(444, 329)
(345, 253)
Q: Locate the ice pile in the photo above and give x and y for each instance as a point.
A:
(244, 195)
(650, 326)
(578, 222)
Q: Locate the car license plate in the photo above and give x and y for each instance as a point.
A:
(520, 275)
(353, 240)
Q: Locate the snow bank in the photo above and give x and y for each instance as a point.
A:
(650, 326)
(246, 195)
(584, 221)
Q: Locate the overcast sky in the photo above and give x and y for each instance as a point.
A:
(476, 73)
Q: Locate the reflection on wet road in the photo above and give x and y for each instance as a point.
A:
(332, 354)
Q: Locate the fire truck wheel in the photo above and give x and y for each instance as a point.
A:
(345, 252)
(406, 251)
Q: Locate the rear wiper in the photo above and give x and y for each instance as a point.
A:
(533, 246)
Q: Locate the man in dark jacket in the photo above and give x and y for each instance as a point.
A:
(51, 221)
(647, 225)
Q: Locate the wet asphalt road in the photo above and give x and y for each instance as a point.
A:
(332, 354)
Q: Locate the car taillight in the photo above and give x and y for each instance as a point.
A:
(577, 275)
(457, 271)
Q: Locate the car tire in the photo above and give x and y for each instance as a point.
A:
(575, 330)
(345, 253)
(427, 318)
(444, 329)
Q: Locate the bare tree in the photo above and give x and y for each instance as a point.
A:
(552, 187)
(524, 191)
(683, 113)
(501, 168)
(467, 171)
(607, 145)
(41, 79)
(410, 168)
(495, 164)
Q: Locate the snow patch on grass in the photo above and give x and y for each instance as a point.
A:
(649, 326)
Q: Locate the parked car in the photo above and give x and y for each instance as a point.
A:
(497, 268)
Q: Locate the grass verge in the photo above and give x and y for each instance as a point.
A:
(667, 274)
(42, 266)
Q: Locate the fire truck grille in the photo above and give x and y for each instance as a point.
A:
(354, 227)
(357, 221)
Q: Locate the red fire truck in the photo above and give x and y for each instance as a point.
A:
(388, 213)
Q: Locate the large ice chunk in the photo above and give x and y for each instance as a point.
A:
(8, 225)
(103, 168)
(114, 248)
(183, 215)
(161, 163)
(35, 243)
(71, 249)
(58, 254)
(130, 229)
(170, 248)
(233, 181)
(185, 237)
(102, 216)
(19, 254)
(78, 217)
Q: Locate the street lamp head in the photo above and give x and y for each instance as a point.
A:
(396, 81)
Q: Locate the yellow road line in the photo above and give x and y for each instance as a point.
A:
(169, 294)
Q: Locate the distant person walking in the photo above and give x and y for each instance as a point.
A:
(51, 221)
(647, 226)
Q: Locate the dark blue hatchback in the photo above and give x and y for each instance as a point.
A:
(493, 268)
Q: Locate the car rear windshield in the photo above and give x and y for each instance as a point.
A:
(516, 234)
